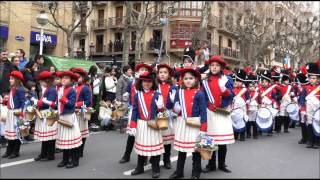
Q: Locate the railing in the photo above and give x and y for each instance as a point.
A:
(81, 29)
(234, 53)
(155, 44)
(116, 22)
(99, 24)
(98, 51)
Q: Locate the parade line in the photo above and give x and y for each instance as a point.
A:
(148, 167)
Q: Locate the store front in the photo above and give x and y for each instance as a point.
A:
(3, 37)
(49, 43)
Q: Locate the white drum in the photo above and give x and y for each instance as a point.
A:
(293, 111)
(264, 119)
(238, 122)
(316, 122)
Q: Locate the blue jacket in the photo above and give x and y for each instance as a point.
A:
(199, 107)
(85, 97)
(18, 98)
(23, 64)
(68, 102)
(51, 95)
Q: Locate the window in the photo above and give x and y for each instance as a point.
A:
(183, 31)
(188, 8)
(229, 43)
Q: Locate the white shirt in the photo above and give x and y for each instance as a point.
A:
(96, 86)
(110, 84)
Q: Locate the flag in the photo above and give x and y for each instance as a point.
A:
(287, 62)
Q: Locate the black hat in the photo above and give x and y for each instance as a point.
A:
(240, 75)
(285, 75)
(313, 69)
(301, 78)
(265, 74)
(189, 53)
(251, 78)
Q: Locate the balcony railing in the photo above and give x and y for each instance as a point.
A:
(116, 22)
(99, 24)
(234, 53)
(155, 44)
(81, 30)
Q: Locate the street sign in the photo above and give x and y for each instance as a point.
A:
(19, 38)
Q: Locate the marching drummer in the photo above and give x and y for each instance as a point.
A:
(83, 101)
(69, 135)
(269, 97)
(275, 80)
(309, 101)
(288, 94)
(148, 142)
(131, 91)
(253, 105)
(219, 93)
(43, 132)
(168, 92)
(15, 103)
(242, 95)
(189, 104)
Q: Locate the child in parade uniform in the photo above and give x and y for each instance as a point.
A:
(148, 141)
(68, 137)
(253, 105)
(57, 84)
(83, 101)
(242, 95)
(168, 93)
(219, 93)
(309, 101)
(131, 91)
(275, 80)
(44, 133)
(190, 102)
(15, 102)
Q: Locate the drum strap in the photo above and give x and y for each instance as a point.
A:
(314, 92)
(288, 91)
(255, 94)
(268, 90)
(241, 92)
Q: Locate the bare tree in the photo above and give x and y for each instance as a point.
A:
(142, 19)
(75, 22)
(127, 27)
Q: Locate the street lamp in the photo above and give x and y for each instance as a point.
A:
(42, 19)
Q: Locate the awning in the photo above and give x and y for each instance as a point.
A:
(63, 63)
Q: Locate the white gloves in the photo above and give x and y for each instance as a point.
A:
(222, 83)
(132, 131)
(275, 105)
(177, 108)
(34, 100)
(159, 102)
(45, 100)
(172, 95)
(292, 94)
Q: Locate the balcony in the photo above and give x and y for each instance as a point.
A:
(100, 24)
(155, 44)
(99, 3)
(213, 21)
(97, 51)
(232, 54)
(81, 31)
(116, 22)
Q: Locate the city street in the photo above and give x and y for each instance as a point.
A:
(279, 156)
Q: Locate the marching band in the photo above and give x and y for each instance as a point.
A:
(208, 100)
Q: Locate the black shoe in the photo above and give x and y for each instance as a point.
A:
(40, 157)
(155, 175)
(167, 165)
(194, 177)
(224, 169)
(124, 160)
(207, 170)
(248, 136)
(242, 139)
(255, 137)
(302, 141)
(5, 155)
(175, 175)
(308, 146)
(278, 131)
(62, 164)
(13, 156)
(57, 150)
(71, 165)
(136, 172)
(286, 131)
(47, 159)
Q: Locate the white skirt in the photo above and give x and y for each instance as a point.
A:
(10, 132)
(185, 136)
(68, 138)
(42, 131)
(220, 128)
(83, 125)
(148, 142)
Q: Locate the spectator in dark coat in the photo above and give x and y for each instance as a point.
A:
(5, 68)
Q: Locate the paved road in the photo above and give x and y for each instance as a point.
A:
(279, 156)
